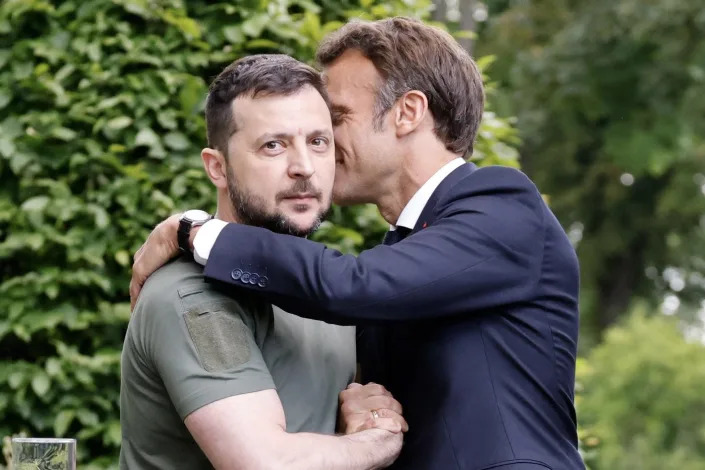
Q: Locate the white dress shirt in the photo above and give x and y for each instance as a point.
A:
(208, 233)
(412, 211)
(205, 239)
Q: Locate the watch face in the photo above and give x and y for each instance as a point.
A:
(196, 215)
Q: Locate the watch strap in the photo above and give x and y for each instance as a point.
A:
(184, 232)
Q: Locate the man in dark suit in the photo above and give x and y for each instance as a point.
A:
(469, 310)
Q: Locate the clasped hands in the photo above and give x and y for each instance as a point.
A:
(369, 406)
(361, 406)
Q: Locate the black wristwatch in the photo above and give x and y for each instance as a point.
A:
(188, 220)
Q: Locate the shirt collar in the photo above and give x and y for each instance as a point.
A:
(412, 211)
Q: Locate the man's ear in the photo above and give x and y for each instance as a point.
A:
(216, 169)
(411, 111)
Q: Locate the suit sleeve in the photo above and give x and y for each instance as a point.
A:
(483, 251)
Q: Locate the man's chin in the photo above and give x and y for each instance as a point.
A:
(300, 229)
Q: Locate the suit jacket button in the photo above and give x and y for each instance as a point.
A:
(236, 274)
(245, 277)
(254, 278)
(263, 282)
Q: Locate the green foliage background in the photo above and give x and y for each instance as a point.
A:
(607, 89)
(100, 130)
(101, 126)
(609, 100)
(640, 399)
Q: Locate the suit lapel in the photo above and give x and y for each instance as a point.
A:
(427, 216)
(374, 343)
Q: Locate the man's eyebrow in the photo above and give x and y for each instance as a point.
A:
(320, 132)
(340, 108)
(288, 135)
(274, 136)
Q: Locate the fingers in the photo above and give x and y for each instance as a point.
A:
(388, 424)
(357, 403)
(136, 281)
(356, 391)
(383, 402)
(367, 419)
(159, 247)
(135, 287)
(138, 253)
(133, 295)
(135, 284)
(384, 413)
(351, 405)
(375, 389)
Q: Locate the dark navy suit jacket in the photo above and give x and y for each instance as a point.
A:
(471, 321)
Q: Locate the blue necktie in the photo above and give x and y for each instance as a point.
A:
(394, 236)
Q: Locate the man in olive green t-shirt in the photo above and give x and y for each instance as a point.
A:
(188, 345)
(208, 381)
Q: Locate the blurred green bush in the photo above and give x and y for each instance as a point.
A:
(641, 404)
(100, 130)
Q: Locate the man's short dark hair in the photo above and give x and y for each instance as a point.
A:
(410, 55)
(255, 75)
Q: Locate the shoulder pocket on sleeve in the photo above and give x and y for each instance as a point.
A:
(220, 337)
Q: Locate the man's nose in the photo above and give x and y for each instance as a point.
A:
(301, 164)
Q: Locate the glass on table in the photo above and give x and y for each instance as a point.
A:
(31, 453)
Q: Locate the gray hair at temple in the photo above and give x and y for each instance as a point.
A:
(411, 55)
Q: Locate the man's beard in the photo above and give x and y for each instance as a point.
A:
(250, 210)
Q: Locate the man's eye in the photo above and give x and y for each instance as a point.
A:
(338, 118)
(273, 145)
(319, 141)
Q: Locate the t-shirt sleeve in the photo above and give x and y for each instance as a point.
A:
(203, 347)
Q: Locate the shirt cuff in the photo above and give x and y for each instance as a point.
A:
(205, 239)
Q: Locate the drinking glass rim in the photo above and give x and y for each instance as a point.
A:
(43, 440)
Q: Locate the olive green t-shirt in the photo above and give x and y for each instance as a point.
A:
(188, 345)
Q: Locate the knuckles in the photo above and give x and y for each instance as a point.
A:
(347, 408)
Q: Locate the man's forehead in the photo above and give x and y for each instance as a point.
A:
(325, 76)
(337, 83)
(273, 117)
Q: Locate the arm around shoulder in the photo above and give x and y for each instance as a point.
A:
(482, 251)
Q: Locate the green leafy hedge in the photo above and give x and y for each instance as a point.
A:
(641, 404)
(100, 130)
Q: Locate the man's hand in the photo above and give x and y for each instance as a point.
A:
(160, 247)
(369, 406)
(249, 431)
